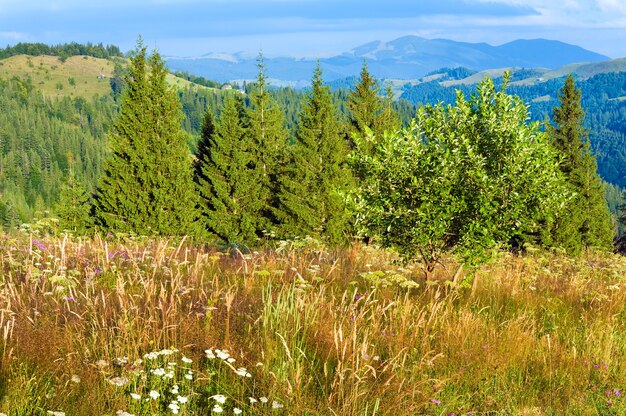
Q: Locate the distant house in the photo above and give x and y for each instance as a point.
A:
(101, 76)
(226, 87)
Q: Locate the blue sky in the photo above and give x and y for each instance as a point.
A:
(310, 28)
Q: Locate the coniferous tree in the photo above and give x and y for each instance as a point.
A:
(74, 205)
(147, 185)
(310, 194)
(226, 178)
(389, 117)
(268, 135)
(364, 105)
(586, 221)
(369, 112)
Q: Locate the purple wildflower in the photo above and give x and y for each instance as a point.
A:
(617, 393)
(69, 298)
(435, 401)
(40, 245)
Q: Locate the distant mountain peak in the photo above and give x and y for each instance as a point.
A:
(407, 57)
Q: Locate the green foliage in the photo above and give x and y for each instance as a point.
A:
(147, 186)
(74, 205)
(227, 181)
(459, 179)
(62, 50)
(586, 221)
(268, 135)
(368, 111)
(36, 134)
(310, 195)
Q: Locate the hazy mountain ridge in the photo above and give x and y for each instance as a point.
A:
(408, 57)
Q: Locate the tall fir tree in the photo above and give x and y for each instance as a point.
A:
(368, 111)
(586, 220)
(147, 185)
(310, 197)
(268, 135)
(227, 181)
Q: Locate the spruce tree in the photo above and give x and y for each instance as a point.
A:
(369, 112)
(147, 184)
(227, 181)
(310, 193)
(268, 135)
(74, 205)
(364, 105)
(586, 221)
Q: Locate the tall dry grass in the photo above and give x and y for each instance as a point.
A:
(345, 332)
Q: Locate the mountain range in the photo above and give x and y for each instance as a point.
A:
(408, 57)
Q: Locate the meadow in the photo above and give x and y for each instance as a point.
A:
(138, 326)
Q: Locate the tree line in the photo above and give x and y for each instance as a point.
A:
(63, 51)
(464, 178)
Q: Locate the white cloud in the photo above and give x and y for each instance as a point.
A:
(13, 35)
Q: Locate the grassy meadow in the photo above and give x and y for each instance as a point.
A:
(77, 76)
(109, 326)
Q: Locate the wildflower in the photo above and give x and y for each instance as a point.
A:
(209, 354)
(69, 298)
(220, 398)
(217, 409)
(187, 360)
(151, 356)
(242, 372)
(135, 396)
(118, 381)
(617, 393)
(41, 247)
(175, 389)
(230, 360)
(182, 399)
(123, 413)
(174, 407)
(263, 399)
(435, 401)
(276, 405)
(236, 411)
(169, 375)
(158, 372)
(154, 394)
(54, 413)
(223, 355)
(101, 363)
(75, 379)
(252, 400)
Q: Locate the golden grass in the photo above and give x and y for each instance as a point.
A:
(323, 332)
(77, 76)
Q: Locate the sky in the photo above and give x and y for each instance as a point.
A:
(309, 28)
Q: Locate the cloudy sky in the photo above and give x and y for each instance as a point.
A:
(310, 27)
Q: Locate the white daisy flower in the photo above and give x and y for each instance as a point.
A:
(220, 398)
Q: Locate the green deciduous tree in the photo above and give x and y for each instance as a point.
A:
(147, 185)
(461, 179)
(587, 220)
(310, 196)
(227, 179)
